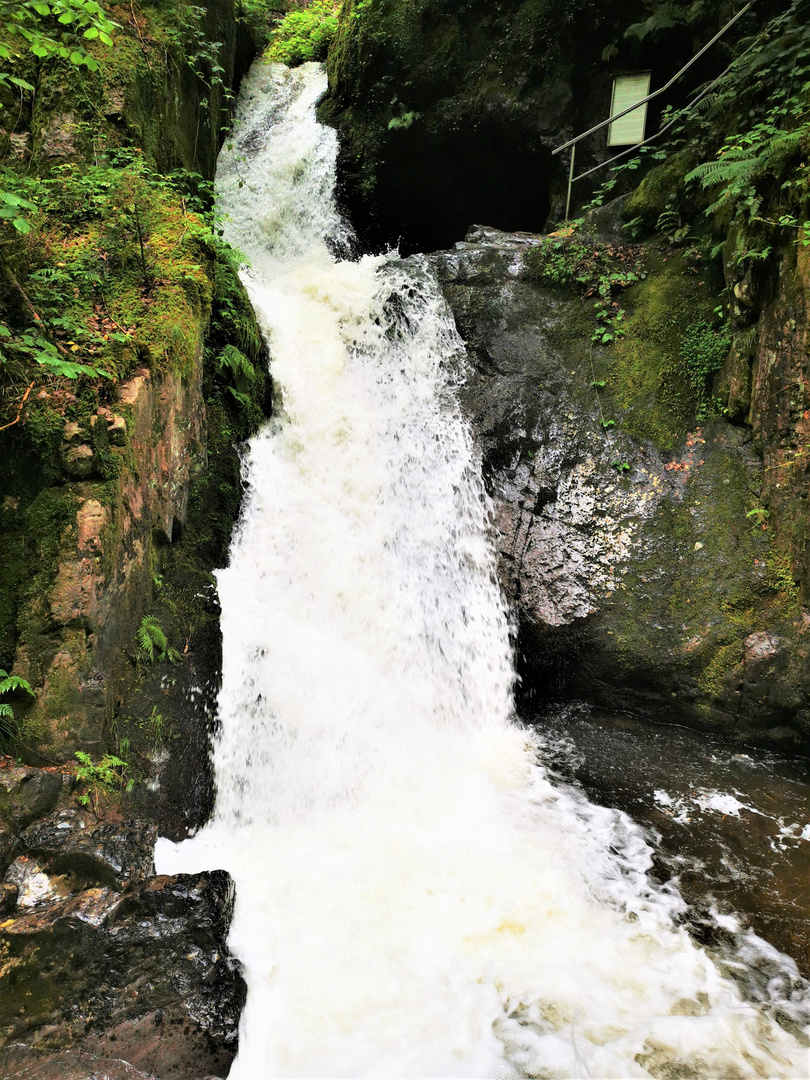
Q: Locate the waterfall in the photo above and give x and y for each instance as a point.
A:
(415, 897)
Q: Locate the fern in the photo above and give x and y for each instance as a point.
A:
(234, 360)
(10, 683)
(664, 17)
(153, 641)
(100, 777)
(725, 170)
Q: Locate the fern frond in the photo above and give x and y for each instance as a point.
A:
(9, 683)
(151, 638)
(234, 360)
(724, 170)
(664, 18)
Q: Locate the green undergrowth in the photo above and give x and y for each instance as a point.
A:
(107, 263)
(737, 159)
(304, 34)
(600, 271)
(117, 268)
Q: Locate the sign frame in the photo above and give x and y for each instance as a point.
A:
(628, 88)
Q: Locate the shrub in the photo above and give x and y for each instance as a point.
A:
(304, 35)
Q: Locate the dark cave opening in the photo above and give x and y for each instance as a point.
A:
(432, 187)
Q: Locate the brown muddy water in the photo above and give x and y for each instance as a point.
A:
(730, 825)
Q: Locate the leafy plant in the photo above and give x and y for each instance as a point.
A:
(759, 515)
(781, 575)
(403, 121)
(304, 35)
(233, 363)
(664, 16)
(101, 777)
(10, 684)
(155, 728)
(153, 642)
(703, 350)
(56, 29)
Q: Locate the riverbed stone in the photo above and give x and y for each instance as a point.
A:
(142, 974)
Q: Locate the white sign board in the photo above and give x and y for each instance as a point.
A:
(627, 90)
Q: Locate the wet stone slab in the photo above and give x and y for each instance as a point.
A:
(107, 970)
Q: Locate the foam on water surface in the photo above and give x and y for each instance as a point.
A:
(415, 898)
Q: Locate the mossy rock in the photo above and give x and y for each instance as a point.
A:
(661, 189)
(647, 379)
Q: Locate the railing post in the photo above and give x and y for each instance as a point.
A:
(570, 180)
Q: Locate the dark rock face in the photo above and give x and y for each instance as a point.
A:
(108, 970)
(448, 111)
(631, 562)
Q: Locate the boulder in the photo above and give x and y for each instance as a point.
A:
(638, 578)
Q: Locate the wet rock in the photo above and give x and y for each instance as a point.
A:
(141, 975)
(93, 907)
(25, 1063)
(9, 893)
(8, 848)
(27, 794)
(113, 854)
(33, 885)
(626, 549)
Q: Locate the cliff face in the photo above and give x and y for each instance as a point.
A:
(768, 385)
(97, 478)
(117, 498)
(448, 112)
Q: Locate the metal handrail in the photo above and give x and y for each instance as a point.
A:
(662, 89)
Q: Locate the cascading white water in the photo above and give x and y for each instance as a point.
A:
(414, 897)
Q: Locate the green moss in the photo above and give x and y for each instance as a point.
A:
(106, 461)
(646, 375)
(661, 190)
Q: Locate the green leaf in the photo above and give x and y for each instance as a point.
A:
(91, 33)
(9, 683)
(21, 225)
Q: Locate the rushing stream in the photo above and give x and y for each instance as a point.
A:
(415, 896)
